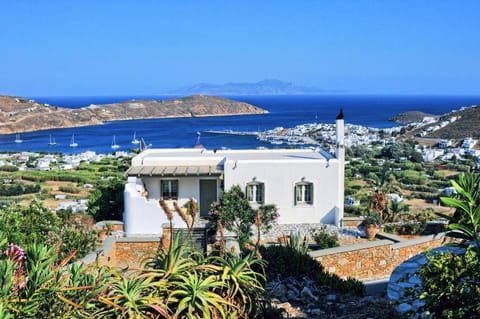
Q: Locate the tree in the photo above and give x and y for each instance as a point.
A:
(106, 202)
(233, 212)
(395, 208)
(378, 203)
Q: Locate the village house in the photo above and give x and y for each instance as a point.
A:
(307, 185)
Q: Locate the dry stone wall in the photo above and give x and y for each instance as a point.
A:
(365, 261)
(376, 259)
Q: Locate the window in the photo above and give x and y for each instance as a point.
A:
(303, 193)
(169, 189)
(255, 192)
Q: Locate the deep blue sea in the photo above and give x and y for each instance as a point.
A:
(285, 111)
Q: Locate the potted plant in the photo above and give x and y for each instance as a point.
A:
(371, 224)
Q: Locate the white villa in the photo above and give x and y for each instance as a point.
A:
(305, 184)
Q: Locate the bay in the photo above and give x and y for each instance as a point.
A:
(285, 111)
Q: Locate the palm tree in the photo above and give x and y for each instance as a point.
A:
(378, 203)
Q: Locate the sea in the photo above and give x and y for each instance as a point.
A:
(284, 111)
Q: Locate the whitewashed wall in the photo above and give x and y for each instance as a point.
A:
(279, 180)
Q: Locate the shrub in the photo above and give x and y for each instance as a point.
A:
(353, 210)
(406, 228)
(450, 282)
(37, 224)
(69, 189)
(450, 287)
(17, 189)
(323, 238)
(233, 212)
(8, 168)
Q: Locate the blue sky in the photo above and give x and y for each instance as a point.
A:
(127, 47)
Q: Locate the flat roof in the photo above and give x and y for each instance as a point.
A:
(173, 170)
(186, 157)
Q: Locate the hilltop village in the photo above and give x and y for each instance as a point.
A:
(431, 148)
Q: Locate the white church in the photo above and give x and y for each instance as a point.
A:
(307, 185)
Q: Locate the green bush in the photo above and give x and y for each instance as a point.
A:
(69, 189)
(406, 228)
(353, 210)
(16, 189)
(450, 286)
(450, 283)
(234, 213)
(8, 168)
(37, 224)
(323, 238)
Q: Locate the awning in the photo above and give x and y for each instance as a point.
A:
(191, 170)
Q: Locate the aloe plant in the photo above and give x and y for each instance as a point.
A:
(196, 295)
(243, 281)
(133, 297)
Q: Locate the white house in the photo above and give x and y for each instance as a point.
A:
(306, 184)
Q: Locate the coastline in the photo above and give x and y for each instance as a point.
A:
(180, 132)
(3, 132)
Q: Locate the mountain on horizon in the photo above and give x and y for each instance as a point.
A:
(265, 87)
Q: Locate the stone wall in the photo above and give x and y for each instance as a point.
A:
(365, 261)
(376, 259)
(127, 251)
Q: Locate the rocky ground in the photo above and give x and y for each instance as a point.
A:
(301, 299)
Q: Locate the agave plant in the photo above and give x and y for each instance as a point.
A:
(196, 295)
(243, 281)
(178, 258)
(133, 297)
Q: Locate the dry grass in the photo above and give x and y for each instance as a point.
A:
(417, 205)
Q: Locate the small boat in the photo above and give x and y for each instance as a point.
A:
(135, 139)
(52, 142)
(73, 143)
(114, 144)
(18, 139)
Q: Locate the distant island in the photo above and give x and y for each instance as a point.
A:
(23, 115)
(265, 87)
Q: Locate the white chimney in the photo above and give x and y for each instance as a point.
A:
(340, 154)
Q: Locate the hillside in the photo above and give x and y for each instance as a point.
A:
(466, 124)
(411, 117)
(22, 115)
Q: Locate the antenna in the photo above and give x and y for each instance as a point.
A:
(198, 145)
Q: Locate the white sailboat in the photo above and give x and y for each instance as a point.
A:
(73, 143)
(114, 144)
(18, 139)
(52, 142)
(135, 139)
